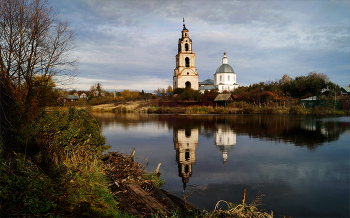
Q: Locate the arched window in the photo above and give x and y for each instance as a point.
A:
(220, 78)
(228, 78)
(188, 85)
(187, 62)
(186, 47)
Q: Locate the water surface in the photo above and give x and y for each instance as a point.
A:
(299, 163)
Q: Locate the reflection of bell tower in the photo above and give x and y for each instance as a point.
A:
(185, 144)
(185, 73)
(225, 139)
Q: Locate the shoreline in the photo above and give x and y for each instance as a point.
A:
(142, 196)
(151, 108)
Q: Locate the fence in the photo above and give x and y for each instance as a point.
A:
(186, 104)
(339, 105)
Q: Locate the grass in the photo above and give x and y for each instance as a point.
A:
(60, 172)
(157, 181)
(25, 189)
(241, 210)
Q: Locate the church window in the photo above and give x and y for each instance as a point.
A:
(187, 62)
(187, 155)
(185, 34)
(220, 78)
(186, 47)
(228, 78)
(188, 73)
(186, 169)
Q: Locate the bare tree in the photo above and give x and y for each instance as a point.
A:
(34, 41)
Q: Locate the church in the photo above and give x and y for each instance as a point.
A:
(185, 73)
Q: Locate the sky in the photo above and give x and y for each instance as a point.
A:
(132, 44)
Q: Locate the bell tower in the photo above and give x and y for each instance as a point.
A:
(185, 73)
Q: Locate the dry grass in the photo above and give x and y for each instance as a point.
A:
(242, 210)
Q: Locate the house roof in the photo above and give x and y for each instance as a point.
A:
(71, 97)
(346, 88)
(207, 87)
(207, 82)
(223, 97)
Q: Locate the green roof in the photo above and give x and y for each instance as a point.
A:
(225, 68)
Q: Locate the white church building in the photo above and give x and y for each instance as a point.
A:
(224, 78)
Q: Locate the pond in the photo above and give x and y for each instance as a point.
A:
(299, 163)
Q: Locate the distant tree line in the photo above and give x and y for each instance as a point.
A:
(300, 87)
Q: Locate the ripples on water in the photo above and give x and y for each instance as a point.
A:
(300, 163)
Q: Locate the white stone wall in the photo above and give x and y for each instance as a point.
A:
(181, 81)
(224, 78)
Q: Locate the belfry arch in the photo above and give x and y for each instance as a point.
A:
(188, 85)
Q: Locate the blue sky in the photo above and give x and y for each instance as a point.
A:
(132, 44)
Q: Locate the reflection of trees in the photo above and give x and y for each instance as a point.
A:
(299, 130)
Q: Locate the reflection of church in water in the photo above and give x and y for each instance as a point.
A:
(185, 144)
(225, 139)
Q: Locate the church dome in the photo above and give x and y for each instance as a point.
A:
(225, 68)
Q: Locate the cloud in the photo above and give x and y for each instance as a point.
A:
(131, 83)
(263, 39)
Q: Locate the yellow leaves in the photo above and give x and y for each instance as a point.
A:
(127, 95)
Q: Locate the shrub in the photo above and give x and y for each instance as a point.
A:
(64, 176)
(249, 110)
(297, 110)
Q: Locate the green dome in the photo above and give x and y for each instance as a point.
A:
(225, 68)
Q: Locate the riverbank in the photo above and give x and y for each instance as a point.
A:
(140, 195)
(53, 166)
(152, 107)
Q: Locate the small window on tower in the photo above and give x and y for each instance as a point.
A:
(186, 47)
(185, 34)
(187, 62)
(188, 73)
(220, 78)
(228, 78)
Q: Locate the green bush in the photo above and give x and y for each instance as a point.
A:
(64, 176)
(25, 189)
(71, 135)
(298, 110)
